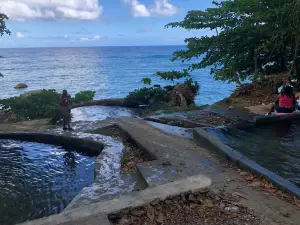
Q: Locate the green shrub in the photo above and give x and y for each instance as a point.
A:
(147, 96)
(84, 96)
(41, 105)
(38, 105)
(194, 86)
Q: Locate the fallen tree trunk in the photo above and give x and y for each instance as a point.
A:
(107, 102)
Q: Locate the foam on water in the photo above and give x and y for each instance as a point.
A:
(94, 113)
(109, 180)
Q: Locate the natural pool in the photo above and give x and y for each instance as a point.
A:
(38, 180)
(275, 147)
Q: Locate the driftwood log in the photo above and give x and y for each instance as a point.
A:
(107, 102)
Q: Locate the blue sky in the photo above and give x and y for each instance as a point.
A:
(74, 23)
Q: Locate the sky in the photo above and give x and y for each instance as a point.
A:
(80, 23)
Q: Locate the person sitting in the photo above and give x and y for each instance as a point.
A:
(285, 102)
(298, 101)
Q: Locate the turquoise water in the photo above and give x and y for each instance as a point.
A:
(275, 147)
(110, 71)
(38, 180)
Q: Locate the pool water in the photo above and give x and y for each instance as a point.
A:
(275, 147)
(37, 180)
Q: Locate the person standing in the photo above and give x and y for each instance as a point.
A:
(64, 109)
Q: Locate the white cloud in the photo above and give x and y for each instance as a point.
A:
(19, 35)
(164, 8)
(95, 38)
(51, 9)
(160, 8)
(66, 36)
(138, 9)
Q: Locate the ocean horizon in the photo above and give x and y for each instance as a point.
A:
(100, 46)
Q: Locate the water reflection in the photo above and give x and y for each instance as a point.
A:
(276, 147)
(70, 160)
(38, 180)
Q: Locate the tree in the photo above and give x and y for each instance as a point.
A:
(3, 28)
(252, 38)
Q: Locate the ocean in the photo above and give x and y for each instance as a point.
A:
(110, 71)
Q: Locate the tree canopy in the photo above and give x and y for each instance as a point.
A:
(251, 38)
(3, 29)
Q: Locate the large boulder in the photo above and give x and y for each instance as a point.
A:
(7, 117)
(21, 85)
(28, 93)
(260, 109)
(182, 95)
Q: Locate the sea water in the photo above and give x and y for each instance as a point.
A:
(110, 71)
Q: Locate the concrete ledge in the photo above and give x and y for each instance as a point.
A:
(211, 142)
(275, 118)
(76, 143)
(151, 155)
(190, 184)
(184, 123)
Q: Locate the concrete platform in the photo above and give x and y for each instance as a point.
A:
(260, 120)
(173, 157)
(97, 213)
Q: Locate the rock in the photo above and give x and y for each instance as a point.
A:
(21, 85)
(125, 211)
(204, 191)
(7, 117)
(230, 107)
(208, 203)
(155, 202)
(175, 123)
(166, 163)
(131, 164)
(150, 213)
(127, 149)
(160, 218)
(114, 216)
(175, 202)
(138, 212)
(177, 198)
(12, 117)
(192, 198)
(124, 221)
(158, 208)
(28, 93)
(259, 109)
(183, 198)
(168, 202)
(193, 205)
(231, 209)
(182, 95)
(199, 199)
